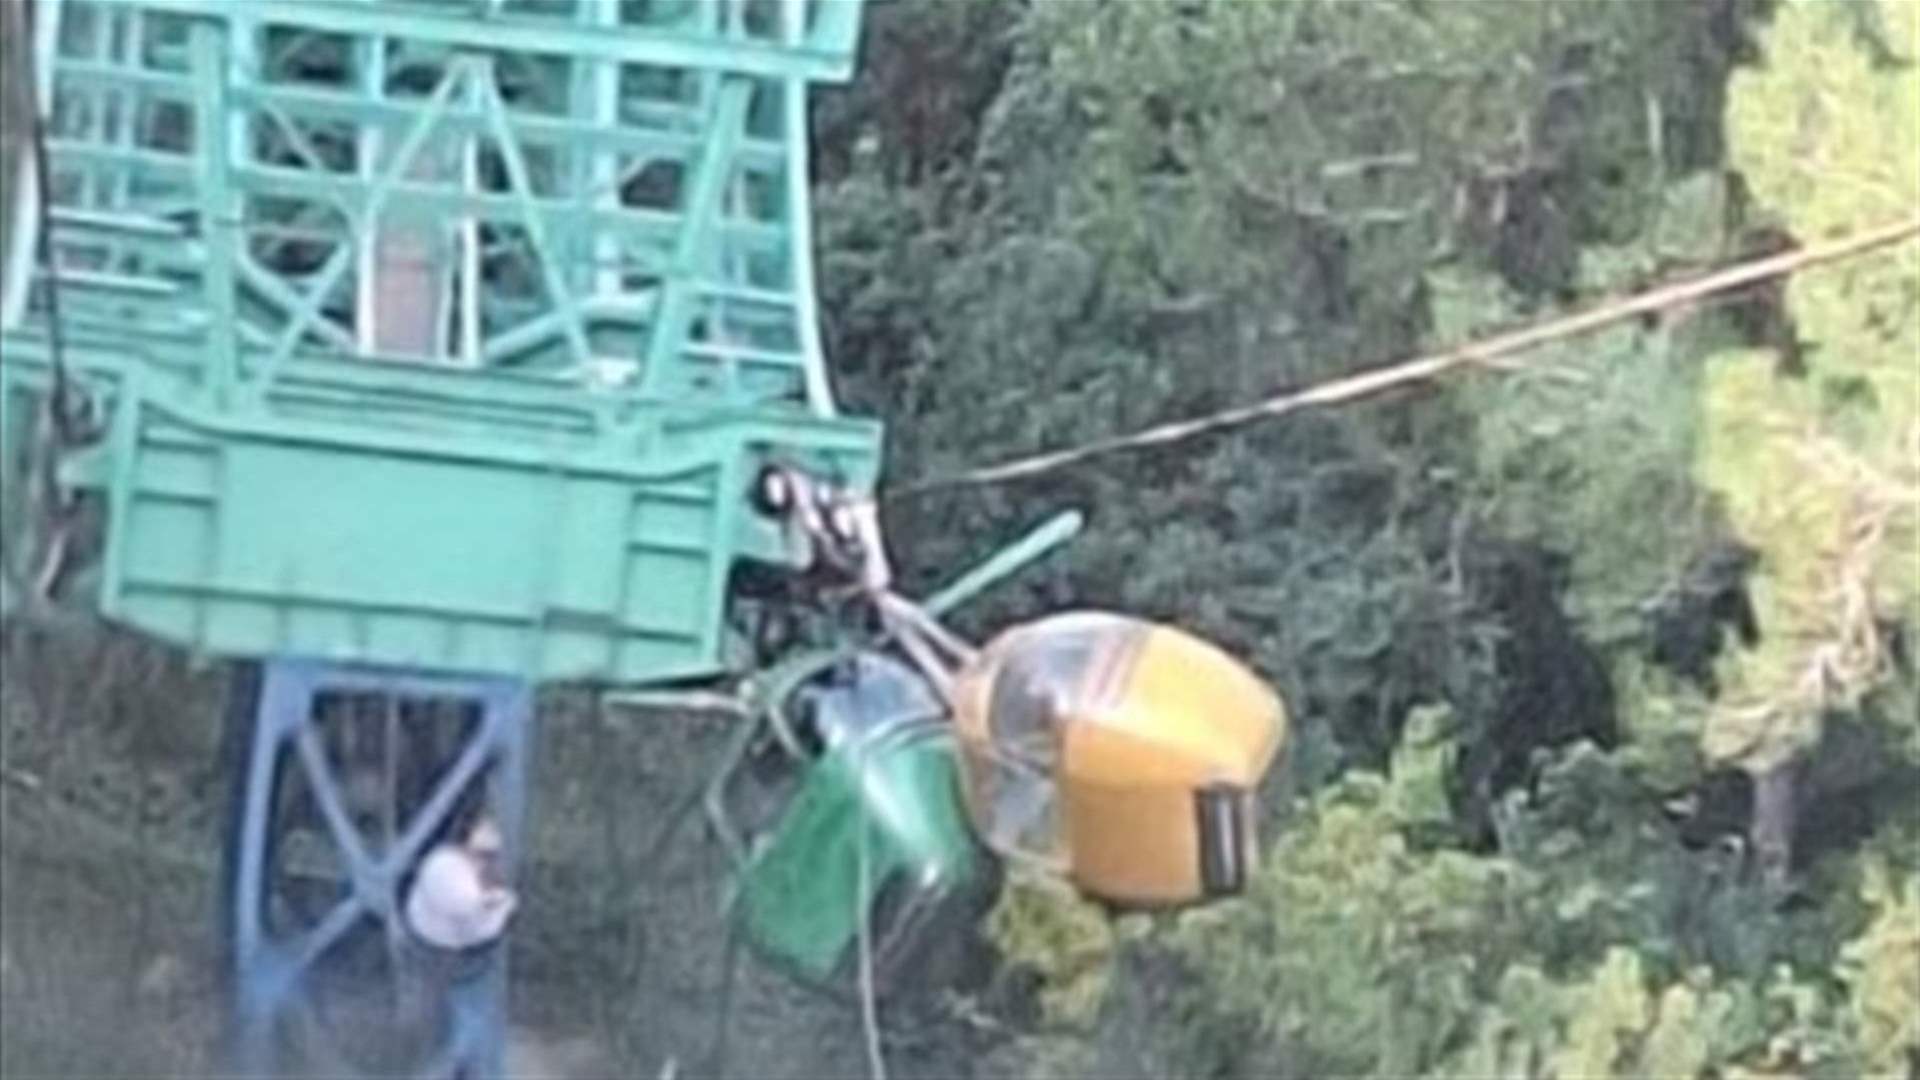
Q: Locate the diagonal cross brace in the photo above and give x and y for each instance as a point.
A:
(705, 186)
(287, 703)
(364, 221)
(521, 183)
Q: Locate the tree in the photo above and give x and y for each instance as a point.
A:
(928, 70)
(1170, 207)
(1494, 606)
(1594, 944)
(1818, 465)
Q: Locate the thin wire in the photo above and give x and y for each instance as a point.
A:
(1480, 353)
(729, 969)
(43, 242)
(869, 1007)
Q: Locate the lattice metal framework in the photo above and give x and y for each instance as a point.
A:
(303, 780)
(438, 333)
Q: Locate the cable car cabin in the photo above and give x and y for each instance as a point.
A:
(880, 755)
(1121, 753)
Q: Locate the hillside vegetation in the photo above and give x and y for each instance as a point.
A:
(1606, 759)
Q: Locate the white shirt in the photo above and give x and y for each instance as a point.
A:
(451, 906)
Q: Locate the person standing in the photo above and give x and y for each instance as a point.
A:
(460, 901)
(456, 912)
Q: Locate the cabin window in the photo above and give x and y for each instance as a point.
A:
(1035, 689)
(1035, 693)
(1024, 809)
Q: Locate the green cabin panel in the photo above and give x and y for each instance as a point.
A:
(801, 899)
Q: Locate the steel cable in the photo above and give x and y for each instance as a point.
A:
(1423, 368)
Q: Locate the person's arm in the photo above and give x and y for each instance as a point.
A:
(497, 905)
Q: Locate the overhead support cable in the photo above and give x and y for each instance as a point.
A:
(1488, 352)
(60, 399)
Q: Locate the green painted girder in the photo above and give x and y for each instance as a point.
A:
(591, 237)
(557, 551)
(672, 35)
(443, 334)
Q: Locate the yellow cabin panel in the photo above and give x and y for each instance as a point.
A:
(1143, 720)
(1134, 842)
(1133, 846)
(1190, 713)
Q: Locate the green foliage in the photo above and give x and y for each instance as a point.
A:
(1593, 945)
(928, 70)
(1615, 1022)
(1353, 954)
(1137, 210)
(1882, 971)
(1587, 453)
(1680, 1042)
(1611, 869)
(1821, 470)
(1422, 765)
(1608, 1009)
(1042, 929)
(1173, 206)
(1580, 454)
(1662, 720)
(1063, 954)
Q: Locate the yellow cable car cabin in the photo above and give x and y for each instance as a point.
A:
(1118, 752)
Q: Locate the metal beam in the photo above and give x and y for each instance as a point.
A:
(368, 218)
(518, 34)
(1016, 556)
(654, 228)
(24, 218)
(701, 193)
(219, 212)
(559, 290)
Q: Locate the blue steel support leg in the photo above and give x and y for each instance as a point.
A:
(272, 976)
(483, 1011)
(282, 704)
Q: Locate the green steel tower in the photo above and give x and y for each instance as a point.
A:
(439, 334)
(411, 353)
